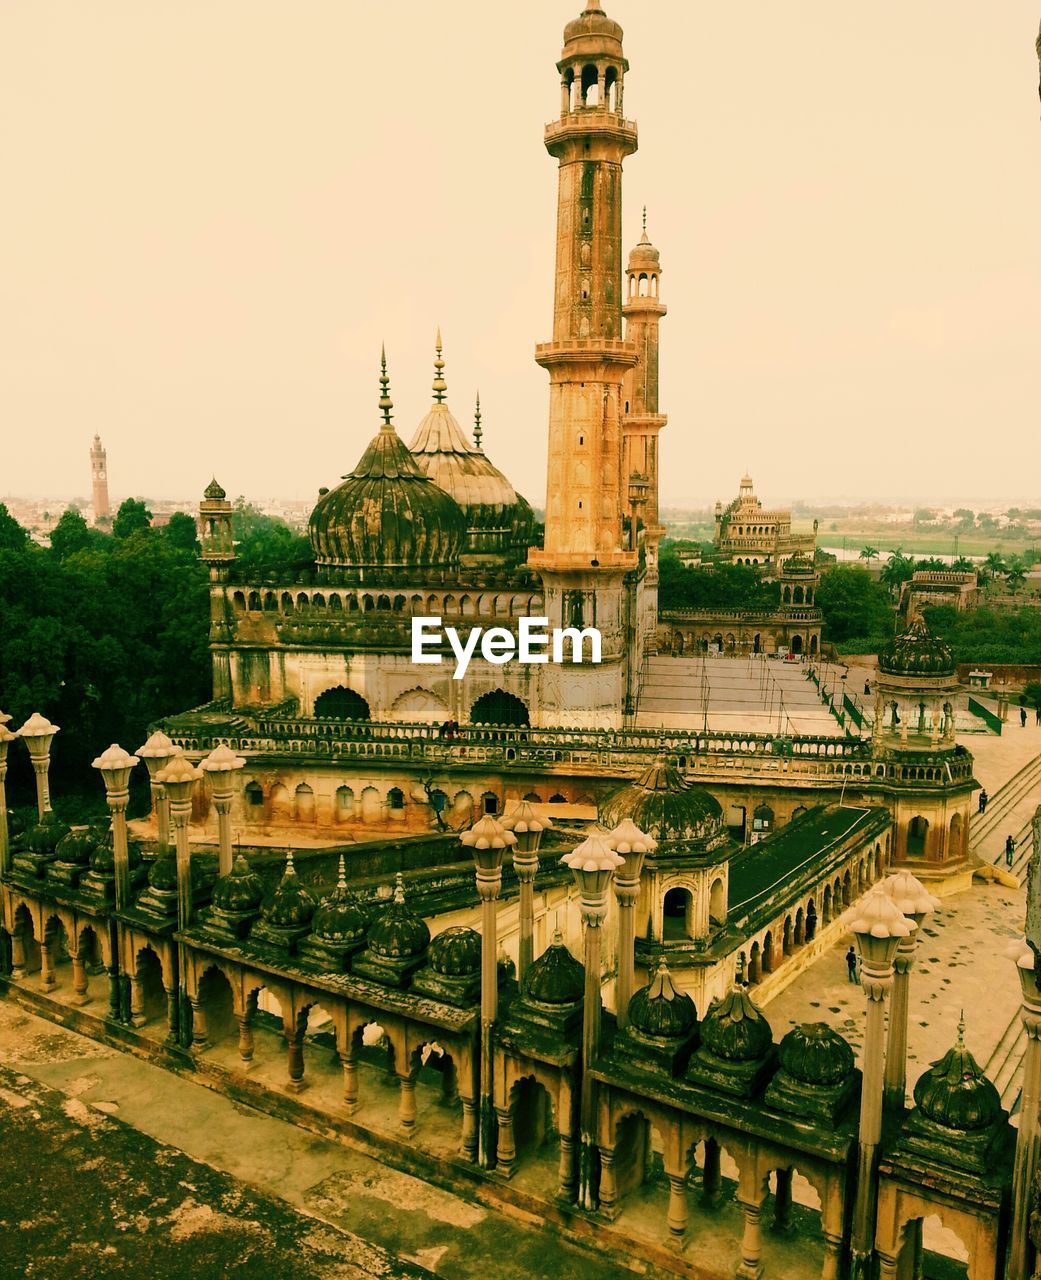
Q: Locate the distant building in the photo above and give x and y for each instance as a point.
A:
(99, 481)
(748, 534)
(930, 587)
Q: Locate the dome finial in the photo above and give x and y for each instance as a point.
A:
(399, 889)
(386, 403)
(960, 1043)
(643, 238)
(477, 423)
(440, 387)
(290, 869)
(341, 877)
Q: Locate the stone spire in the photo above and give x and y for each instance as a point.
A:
(440, 386)
(386, 403)
(477, 423)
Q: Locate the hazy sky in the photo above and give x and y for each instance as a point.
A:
(215, 210)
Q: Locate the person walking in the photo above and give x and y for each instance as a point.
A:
(851, 965)
(1010, 849)
(1023, 717)
(983, 800)
(1037, 714)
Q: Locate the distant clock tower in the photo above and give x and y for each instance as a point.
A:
(99, 480)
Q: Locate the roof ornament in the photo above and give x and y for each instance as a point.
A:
(386, 403)
(644, 239)
(341, 877)
(290, 869)
(399, 889)
(440, 387)
(477, 423)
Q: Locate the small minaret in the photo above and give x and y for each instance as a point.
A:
(99, 481)
(642, 421)
(217, 552)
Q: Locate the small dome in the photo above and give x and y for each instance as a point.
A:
(917, 652)
(661, 1011)
(816, 1055)
(162, 874)
(399, 934)
(593, 24)
(735, 1030)
(77, 846)
(240, 890)
(103, 859)
(798, 563)
(456, 953)
(556, 977)
(43, 837)
(340, 917)
(955, 1094)
(291, 905)
(387, 513)
(644, 254)
(214, 492)
(662, 804)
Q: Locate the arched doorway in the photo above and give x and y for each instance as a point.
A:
(499, 708)
(677, 914)
(341, 704)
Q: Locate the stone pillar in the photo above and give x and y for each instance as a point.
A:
(711, 1181)
(1028, 1138)
(113, 992)
(295, 1058)
(221, 767)
(79, 980)
(468, 1140)
(137, 1002)
(18, 953)
(47, 980)
(876, 977)
(751, 1266)
(526, 865)
(608, 1186)
(783, 1200)
(507, 1150)
(246, 1038)
(832, 1268)
(566, 1174)
(116, 766)
(896, 1048)
(627, 894)
(6, 737)
(200, 1030)
(677, 1216)
(350, 1083)
(407, 1105)
(171, 1015)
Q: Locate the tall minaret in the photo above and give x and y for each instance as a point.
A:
(586, 557)
(642, 421)
(99, 480)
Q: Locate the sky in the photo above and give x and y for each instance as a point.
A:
(215, 211)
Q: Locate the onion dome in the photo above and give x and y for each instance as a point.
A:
(660, 1010)
(592, 27)
(241, 890)
(644, 255)
(399, 934)
(340, 917)
(917, 653)
(798, 563)
(735, 1030)
(291, 905)
(162, 874)
(814, 1054)
(556, 977)
(77, 846)
(43, 837)
(955, 1094)
(387, 513)
(489, 502)
(214, 492)
(456, 952)
(662, 804)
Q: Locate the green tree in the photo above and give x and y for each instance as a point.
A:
(12, 536)
(181, 531)
(72, 534)
(965, 519)
(266, 547)
(897, 570)
(131, 516)
(869, 553)
(854, 605)
(1015, 575)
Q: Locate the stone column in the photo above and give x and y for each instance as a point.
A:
(18, 953)
(566, 1169)
(38, 733)
(751, 1265)
(295, 1057)
(468, 1140)
(171, 1015)
(1028, 1138)
(47, 980)
(221, 766)
(896, 1047)
(526, 865)
(115, 767)
(350, 1083)
(113, 993)
(157, 753)
(246, 1038)
(137, 1002)
(407, 1106)
(200, 1029)
(677, 1215)
(608, 1186)
(876, 979)
(632, 845)
(832, 1268)
(507, 1149)
(79, 980)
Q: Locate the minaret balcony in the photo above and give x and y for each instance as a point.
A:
(587, 351)
(590, 122)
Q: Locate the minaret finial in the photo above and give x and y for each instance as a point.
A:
(440, 386)
(644, 219)
(960, 1044)
(290, 869)
(386, 403)
(399, 888)
(477, 423)
(341, 878)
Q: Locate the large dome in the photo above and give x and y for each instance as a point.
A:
(387, 513)
(661, 803)
(497, 517)
(917, 653)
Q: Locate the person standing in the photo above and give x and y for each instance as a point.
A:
(1010, 849)
(983, 800)
(1023, 717)
(851, 964)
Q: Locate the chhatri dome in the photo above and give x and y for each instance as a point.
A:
(387, 513)
(917, 653)
(664, 805)
(644, 255)
(496, 515)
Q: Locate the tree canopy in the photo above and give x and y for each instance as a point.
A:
(725, 586)
(854, 605)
